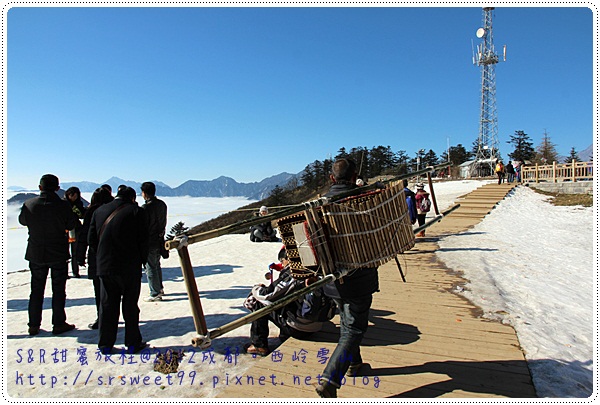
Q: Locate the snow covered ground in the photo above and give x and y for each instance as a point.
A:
(528, 263)
(532, 265)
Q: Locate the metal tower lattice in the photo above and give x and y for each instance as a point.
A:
(486, 58)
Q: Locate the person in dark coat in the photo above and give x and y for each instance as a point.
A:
(100, 196)
(119, 235)
(510, 172)
(263, 232)
(48, 218)
(411, 202)
(353, 295)
(156, 215)
(73, 196)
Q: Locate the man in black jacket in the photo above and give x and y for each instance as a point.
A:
(119, 235)
(73, 197)
(48, 218)
(353, 295)
(156, 215)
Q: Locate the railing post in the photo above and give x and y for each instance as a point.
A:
(192, 290)
(554, 171)
(573, 173)
(537, 176)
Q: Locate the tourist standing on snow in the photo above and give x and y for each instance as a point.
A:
(156, 215)
(73, 196)
(100, 196)
(48, 218)
(119, 235)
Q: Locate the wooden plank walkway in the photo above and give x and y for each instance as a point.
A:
(423, 340)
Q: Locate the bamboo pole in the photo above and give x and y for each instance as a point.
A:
(435, 206)
(436, 219)
(192, 290)
(266, 310)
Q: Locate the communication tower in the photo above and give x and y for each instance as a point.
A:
(486, 58)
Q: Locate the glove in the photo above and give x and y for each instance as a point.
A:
(276, 266)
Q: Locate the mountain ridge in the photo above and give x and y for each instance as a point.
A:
(222, 186)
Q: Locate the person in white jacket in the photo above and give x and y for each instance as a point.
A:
(286, 318)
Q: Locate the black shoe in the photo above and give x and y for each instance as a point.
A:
(33, 330)
(105, 350)
(137, 348)
(357, 369)
(76, 275)
(93, 325)
(65, 327)
(326, 391)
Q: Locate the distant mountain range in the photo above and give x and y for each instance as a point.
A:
(219, 187)
(587, 154)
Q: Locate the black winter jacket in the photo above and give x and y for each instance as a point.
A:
(156, 216)
(122, 248)
(47, 218)
(82, 243)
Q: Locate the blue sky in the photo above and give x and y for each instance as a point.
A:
(173, 94)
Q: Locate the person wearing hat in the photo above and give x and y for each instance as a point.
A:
(48, 219)
(156, 215)
(411, 202)
(263, 232)
(119, 236)
(420, 196)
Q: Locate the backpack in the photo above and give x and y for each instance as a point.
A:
(317, 307)
(425, 204)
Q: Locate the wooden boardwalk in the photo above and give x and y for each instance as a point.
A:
(423, 341)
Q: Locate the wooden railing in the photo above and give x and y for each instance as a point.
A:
(574, 171)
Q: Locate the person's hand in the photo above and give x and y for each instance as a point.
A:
(310, 281)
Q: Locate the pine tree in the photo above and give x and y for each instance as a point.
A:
(546, 152)
(458, 155)
(429, 159)
(308, 177)
(341, 153)
(277, 196)
(523, 147)
(572, 156)
(178, 229)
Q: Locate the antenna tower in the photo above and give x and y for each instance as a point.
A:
(486, 58)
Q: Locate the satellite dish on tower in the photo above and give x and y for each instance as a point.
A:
(480, 33)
